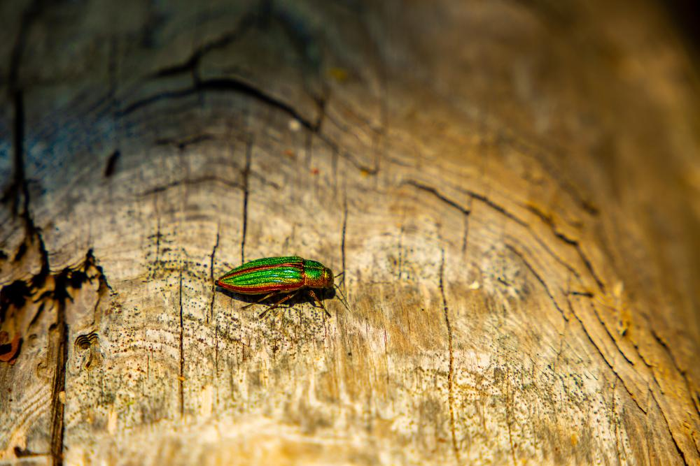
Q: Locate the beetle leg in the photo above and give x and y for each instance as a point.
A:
(260, 300)
(286, 298)
(318, 301)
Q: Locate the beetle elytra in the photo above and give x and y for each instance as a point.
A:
(273, 276)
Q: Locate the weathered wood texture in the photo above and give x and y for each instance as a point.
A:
(512, 189)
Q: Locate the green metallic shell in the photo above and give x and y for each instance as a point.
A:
(276, 274)
(269, 261)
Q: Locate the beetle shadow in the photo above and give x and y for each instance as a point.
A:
(302, 297)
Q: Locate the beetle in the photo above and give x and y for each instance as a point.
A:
(273, 276)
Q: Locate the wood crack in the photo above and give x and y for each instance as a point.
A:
(111, 165)
(583, 327)
(183, 143)
(600, 352)
(502, 210)
(58, 393)
(438, 195)
(224, 85)
(241, 87)
(399, 248)
(212, 256)
(466, 233)
(246, 195)
(612, 337)
(19, 188)
(181, 378)
(473, 195)
(211, 273)
(364, 169)
(509, 415)
(147, 101)
(450, 374)
(191, 182)
(546, 219)
(26, 453)
(299, 38)
(616, 422)
(226, 39)
(670, 431)
(565, 185)
(539, 279)
(498, 208)
(695, 402)
(237, 86)
(64, 283)
(342, 241)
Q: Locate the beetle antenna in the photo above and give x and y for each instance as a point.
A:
(344, 300)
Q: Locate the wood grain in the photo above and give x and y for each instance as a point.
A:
(510, 188)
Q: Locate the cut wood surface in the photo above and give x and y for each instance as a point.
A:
(512, 190)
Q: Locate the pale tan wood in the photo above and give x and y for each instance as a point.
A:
(510, 188)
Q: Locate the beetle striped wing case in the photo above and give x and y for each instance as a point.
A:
(271, 274)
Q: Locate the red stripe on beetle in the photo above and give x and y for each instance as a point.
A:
(260, 289)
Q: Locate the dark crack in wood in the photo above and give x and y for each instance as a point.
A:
(600, 352)
(150, 100)
(670, 431)
(509, 416)
(539, 279)
(547, 219)
(212, 257)
(181, 375)
(465, 238)
(566, 186)
(246, 195)
(183, 143)
(237, 86)
(684, 373)
(502, 210)
(223, 85)
(607, 331)
(438, 195)
(58, 392)
(342, 241)
(450, 374)
(19, 188)
(65, 283)
(192, 63)
(26, 453)
(111, 166)
(191, 182)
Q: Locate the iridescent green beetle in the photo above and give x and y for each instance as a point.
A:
(273, 276)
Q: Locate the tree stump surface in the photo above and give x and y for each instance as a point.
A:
(512, 190)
